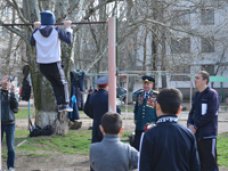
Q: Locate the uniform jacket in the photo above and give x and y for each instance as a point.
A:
(168, 147)
(144, 113)
(112, 155)
(204, 113)
(9, 106)
(95, 107)
(47, 42)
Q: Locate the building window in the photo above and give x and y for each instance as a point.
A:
(181, 73)
(181, 45)
(181, 17)
(207, 16)
(207, 45)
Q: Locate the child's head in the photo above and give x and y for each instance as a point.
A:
(169, 102)
(47, 18)
(111, 123)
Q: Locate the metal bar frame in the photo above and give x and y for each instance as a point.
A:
(111, 53)
(73, 23)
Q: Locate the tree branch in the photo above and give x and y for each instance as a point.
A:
(14, 5)
(15, 30)
(97, 59)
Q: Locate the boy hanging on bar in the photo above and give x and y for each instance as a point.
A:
(46, 38)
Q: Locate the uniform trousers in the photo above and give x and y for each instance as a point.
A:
(138, 134)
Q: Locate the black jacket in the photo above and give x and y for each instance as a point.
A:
(168, 147)
(9, 106)
(95, 107)
(204, 113)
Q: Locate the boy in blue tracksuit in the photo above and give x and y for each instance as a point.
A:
(46, 38)
(168, 146)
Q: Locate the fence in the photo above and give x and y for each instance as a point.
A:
(129, 82)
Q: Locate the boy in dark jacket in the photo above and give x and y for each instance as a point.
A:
(203, 121)
(168, 146)
(9, 106)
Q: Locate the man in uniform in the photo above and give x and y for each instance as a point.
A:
(96, 106)
(144, 111)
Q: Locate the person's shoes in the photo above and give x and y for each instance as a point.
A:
(68, 109)
(64, 108)
(77, 124)
(11, 169)
(60, 108)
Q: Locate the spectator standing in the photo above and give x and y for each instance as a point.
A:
(203, 121)
(111, 154)
(168, 146)
(144, 111)
(96, 106)
(9, 106)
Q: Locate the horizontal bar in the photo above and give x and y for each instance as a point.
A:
(73, 23)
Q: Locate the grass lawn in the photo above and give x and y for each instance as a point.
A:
(77, 142)
(222, 147)
(22, 113)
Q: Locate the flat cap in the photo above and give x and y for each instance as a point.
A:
(102, 80)
(147, 78)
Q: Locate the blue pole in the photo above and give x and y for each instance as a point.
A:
(29, 116)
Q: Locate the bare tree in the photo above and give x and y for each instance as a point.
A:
(152, 35)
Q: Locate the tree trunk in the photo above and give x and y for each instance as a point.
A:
(44, 100)
(145, 51)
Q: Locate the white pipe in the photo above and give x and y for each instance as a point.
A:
(112, 64)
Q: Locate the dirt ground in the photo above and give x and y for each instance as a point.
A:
(60, 162)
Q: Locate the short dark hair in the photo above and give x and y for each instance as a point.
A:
(111, 123)
(205, 75)
(102, 86)
(170, 100)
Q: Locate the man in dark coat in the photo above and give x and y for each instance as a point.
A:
(96, 106)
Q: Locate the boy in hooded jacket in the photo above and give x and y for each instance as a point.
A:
(47, 38)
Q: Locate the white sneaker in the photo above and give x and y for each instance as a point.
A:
(11, 169)
(64, 108)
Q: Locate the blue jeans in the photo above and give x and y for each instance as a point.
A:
(9, 129)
